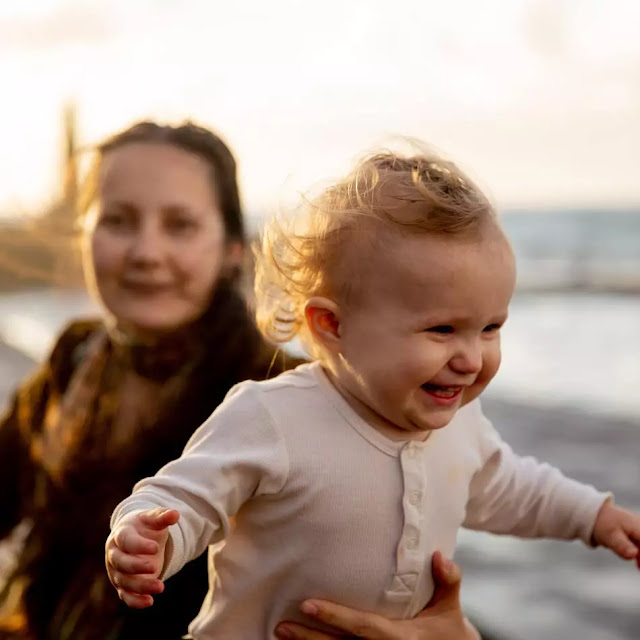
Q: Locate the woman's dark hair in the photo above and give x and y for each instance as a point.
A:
(203, 143)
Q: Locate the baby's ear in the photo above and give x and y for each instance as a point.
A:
(323, 319)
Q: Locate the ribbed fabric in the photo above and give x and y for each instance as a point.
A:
(328, 507)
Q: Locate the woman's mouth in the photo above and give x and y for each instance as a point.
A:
(145, 287)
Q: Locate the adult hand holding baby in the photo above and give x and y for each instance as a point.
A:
(442, 619)
(134, 555)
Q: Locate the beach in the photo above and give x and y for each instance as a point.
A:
(528, 590)
(564, 395)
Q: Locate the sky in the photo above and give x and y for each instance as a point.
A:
(538, 100)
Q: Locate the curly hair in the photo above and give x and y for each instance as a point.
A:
(319, 251)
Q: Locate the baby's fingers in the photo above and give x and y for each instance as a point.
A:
(635, 539)
(129, 540)
(135, 600)
(137, 584)
(159, 518)
(621, 544)
(127, 563)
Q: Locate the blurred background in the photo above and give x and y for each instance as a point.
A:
(538, 100)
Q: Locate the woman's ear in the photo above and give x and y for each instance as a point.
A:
(323, 319)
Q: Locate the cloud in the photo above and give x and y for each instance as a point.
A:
(527, 93)
(71, 24)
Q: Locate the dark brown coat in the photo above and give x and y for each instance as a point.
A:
(68, 594)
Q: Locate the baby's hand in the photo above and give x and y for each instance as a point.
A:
(134, 555)
(619, 530)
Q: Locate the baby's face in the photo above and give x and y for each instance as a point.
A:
(424, 337)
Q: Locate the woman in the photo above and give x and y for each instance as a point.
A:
(119, 397)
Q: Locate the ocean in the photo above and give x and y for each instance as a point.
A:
(559, 349)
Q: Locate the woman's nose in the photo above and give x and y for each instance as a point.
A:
(146, 245)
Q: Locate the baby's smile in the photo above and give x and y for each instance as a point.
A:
(442, 394)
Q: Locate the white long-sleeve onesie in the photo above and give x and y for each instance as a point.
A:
(327, 507)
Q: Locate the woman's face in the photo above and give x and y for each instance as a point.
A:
(156, 240)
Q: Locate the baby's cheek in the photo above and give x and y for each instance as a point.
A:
(491, 359)
(472, 392)
(490, 367)
(421, 365)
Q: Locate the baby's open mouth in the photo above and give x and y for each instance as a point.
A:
(438, 390)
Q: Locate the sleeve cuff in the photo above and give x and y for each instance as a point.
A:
(604, 497)
(591, 509)
(173, 553)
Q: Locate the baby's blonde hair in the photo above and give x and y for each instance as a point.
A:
(316, 252)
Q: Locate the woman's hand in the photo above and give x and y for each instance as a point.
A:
(441, 620)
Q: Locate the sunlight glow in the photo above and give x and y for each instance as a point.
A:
(518, 92)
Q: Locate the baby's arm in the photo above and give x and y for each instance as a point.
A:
(135, 555)
(520, 496)
(235, 455)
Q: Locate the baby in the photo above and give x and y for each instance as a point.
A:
(344, 476)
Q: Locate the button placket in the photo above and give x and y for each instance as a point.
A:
(410, 546)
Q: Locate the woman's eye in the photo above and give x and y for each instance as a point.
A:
(180, 225)
(113, 220)
(441, 328)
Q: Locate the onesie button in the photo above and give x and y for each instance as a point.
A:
(412, 542)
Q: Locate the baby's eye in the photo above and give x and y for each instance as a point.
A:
(441, 328)
(490, 328)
